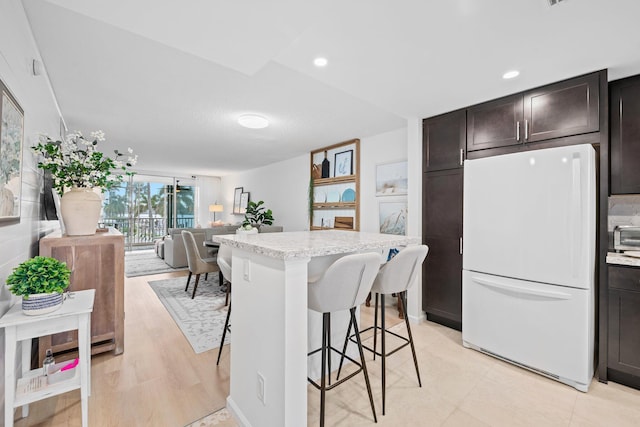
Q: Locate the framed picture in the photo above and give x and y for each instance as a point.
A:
(244, 201)
(391, 179)
(11, 136)
(393, 217)
(343, 165)
(236, 200)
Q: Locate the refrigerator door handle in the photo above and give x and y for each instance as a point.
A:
(522, 291)
(575, 235)
(518, 130)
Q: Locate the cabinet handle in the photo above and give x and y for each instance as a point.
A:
(526, 130)
(460, 245)
(461, 156)
(518, 130)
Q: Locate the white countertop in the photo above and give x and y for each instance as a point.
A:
(306, 244)
(622, 259)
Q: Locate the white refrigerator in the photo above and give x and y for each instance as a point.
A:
(528, 275)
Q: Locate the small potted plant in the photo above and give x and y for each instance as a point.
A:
(255, 216)
(40, 281)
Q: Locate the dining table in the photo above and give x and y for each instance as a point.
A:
(271, 322)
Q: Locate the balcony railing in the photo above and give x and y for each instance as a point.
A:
(144, 231)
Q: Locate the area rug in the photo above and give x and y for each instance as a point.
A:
(201, 319)
(221, 418)
(145, 262)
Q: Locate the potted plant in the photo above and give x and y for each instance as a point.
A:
(40, 281)
(77, 167)
(255, 216)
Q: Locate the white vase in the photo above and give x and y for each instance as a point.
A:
(80, 208)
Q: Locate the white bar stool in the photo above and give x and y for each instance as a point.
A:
(224, 263)
(395, 277)
(343, 286)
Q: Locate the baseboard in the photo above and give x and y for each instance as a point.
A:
(236, 413)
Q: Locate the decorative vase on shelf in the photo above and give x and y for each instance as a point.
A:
(325, 166)
(80, 209)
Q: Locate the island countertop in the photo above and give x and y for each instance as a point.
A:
(307, 244)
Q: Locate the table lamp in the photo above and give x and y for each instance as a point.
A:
(215, 208)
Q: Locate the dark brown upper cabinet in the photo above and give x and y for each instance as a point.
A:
(444, 141)
(495, 123)
(566, 108)
(625, 135)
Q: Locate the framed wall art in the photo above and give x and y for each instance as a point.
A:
(236, 200)
(343, 165)
(393, 217)
(391, 179)
(244, 201)
(11, 139)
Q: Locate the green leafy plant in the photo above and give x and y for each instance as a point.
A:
(256, 215)
(76, 162)
(39, 275)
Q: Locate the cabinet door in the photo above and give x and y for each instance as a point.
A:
(495, 124)
(570, 107)
(625, 136)
(442, 231)
(624, 339)
(443, 139)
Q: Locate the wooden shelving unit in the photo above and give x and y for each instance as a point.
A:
(324, 212)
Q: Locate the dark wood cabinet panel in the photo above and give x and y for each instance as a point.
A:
(443, 139)
(625, 135)
(442, 232)
(495, 124)
(559, 110)
(570, 107)
(442, 280)
(624, 339)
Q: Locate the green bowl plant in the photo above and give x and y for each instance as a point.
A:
(39, 275)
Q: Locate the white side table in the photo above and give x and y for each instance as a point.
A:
(75, 313)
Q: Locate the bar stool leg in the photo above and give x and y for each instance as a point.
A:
(329, 351)
(375, 328)
(383, 352)
(224, 333)
(362, 361)
(406, 321)
(344, 350)
(326, 318)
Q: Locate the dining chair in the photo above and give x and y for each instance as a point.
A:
(197, 264)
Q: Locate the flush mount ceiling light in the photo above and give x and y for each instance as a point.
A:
(320, 62)
(253, 121)
(511, 74)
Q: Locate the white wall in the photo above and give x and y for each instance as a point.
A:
(283, 186)
(209, 190)
(17, 50)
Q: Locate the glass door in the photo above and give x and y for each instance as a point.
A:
(145, 206)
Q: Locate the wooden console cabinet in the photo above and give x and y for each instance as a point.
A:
(96, 262)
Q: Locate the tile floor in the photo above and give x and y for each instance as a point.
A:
(462, 387)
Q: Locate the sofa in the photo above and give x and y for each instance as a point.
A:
(173, 248)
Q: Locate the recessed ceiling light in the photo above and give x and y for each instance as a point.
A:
(511, 74)
(320, 62)
(253, 121)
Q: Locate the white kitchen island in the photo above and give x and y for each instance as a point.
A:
(269, 318)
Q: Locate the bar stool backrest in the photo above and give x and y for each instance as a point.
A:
(400, 272)
(345, 284)
(224, 261)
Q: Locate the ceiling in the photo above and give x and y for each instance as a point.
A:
(170, 78)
